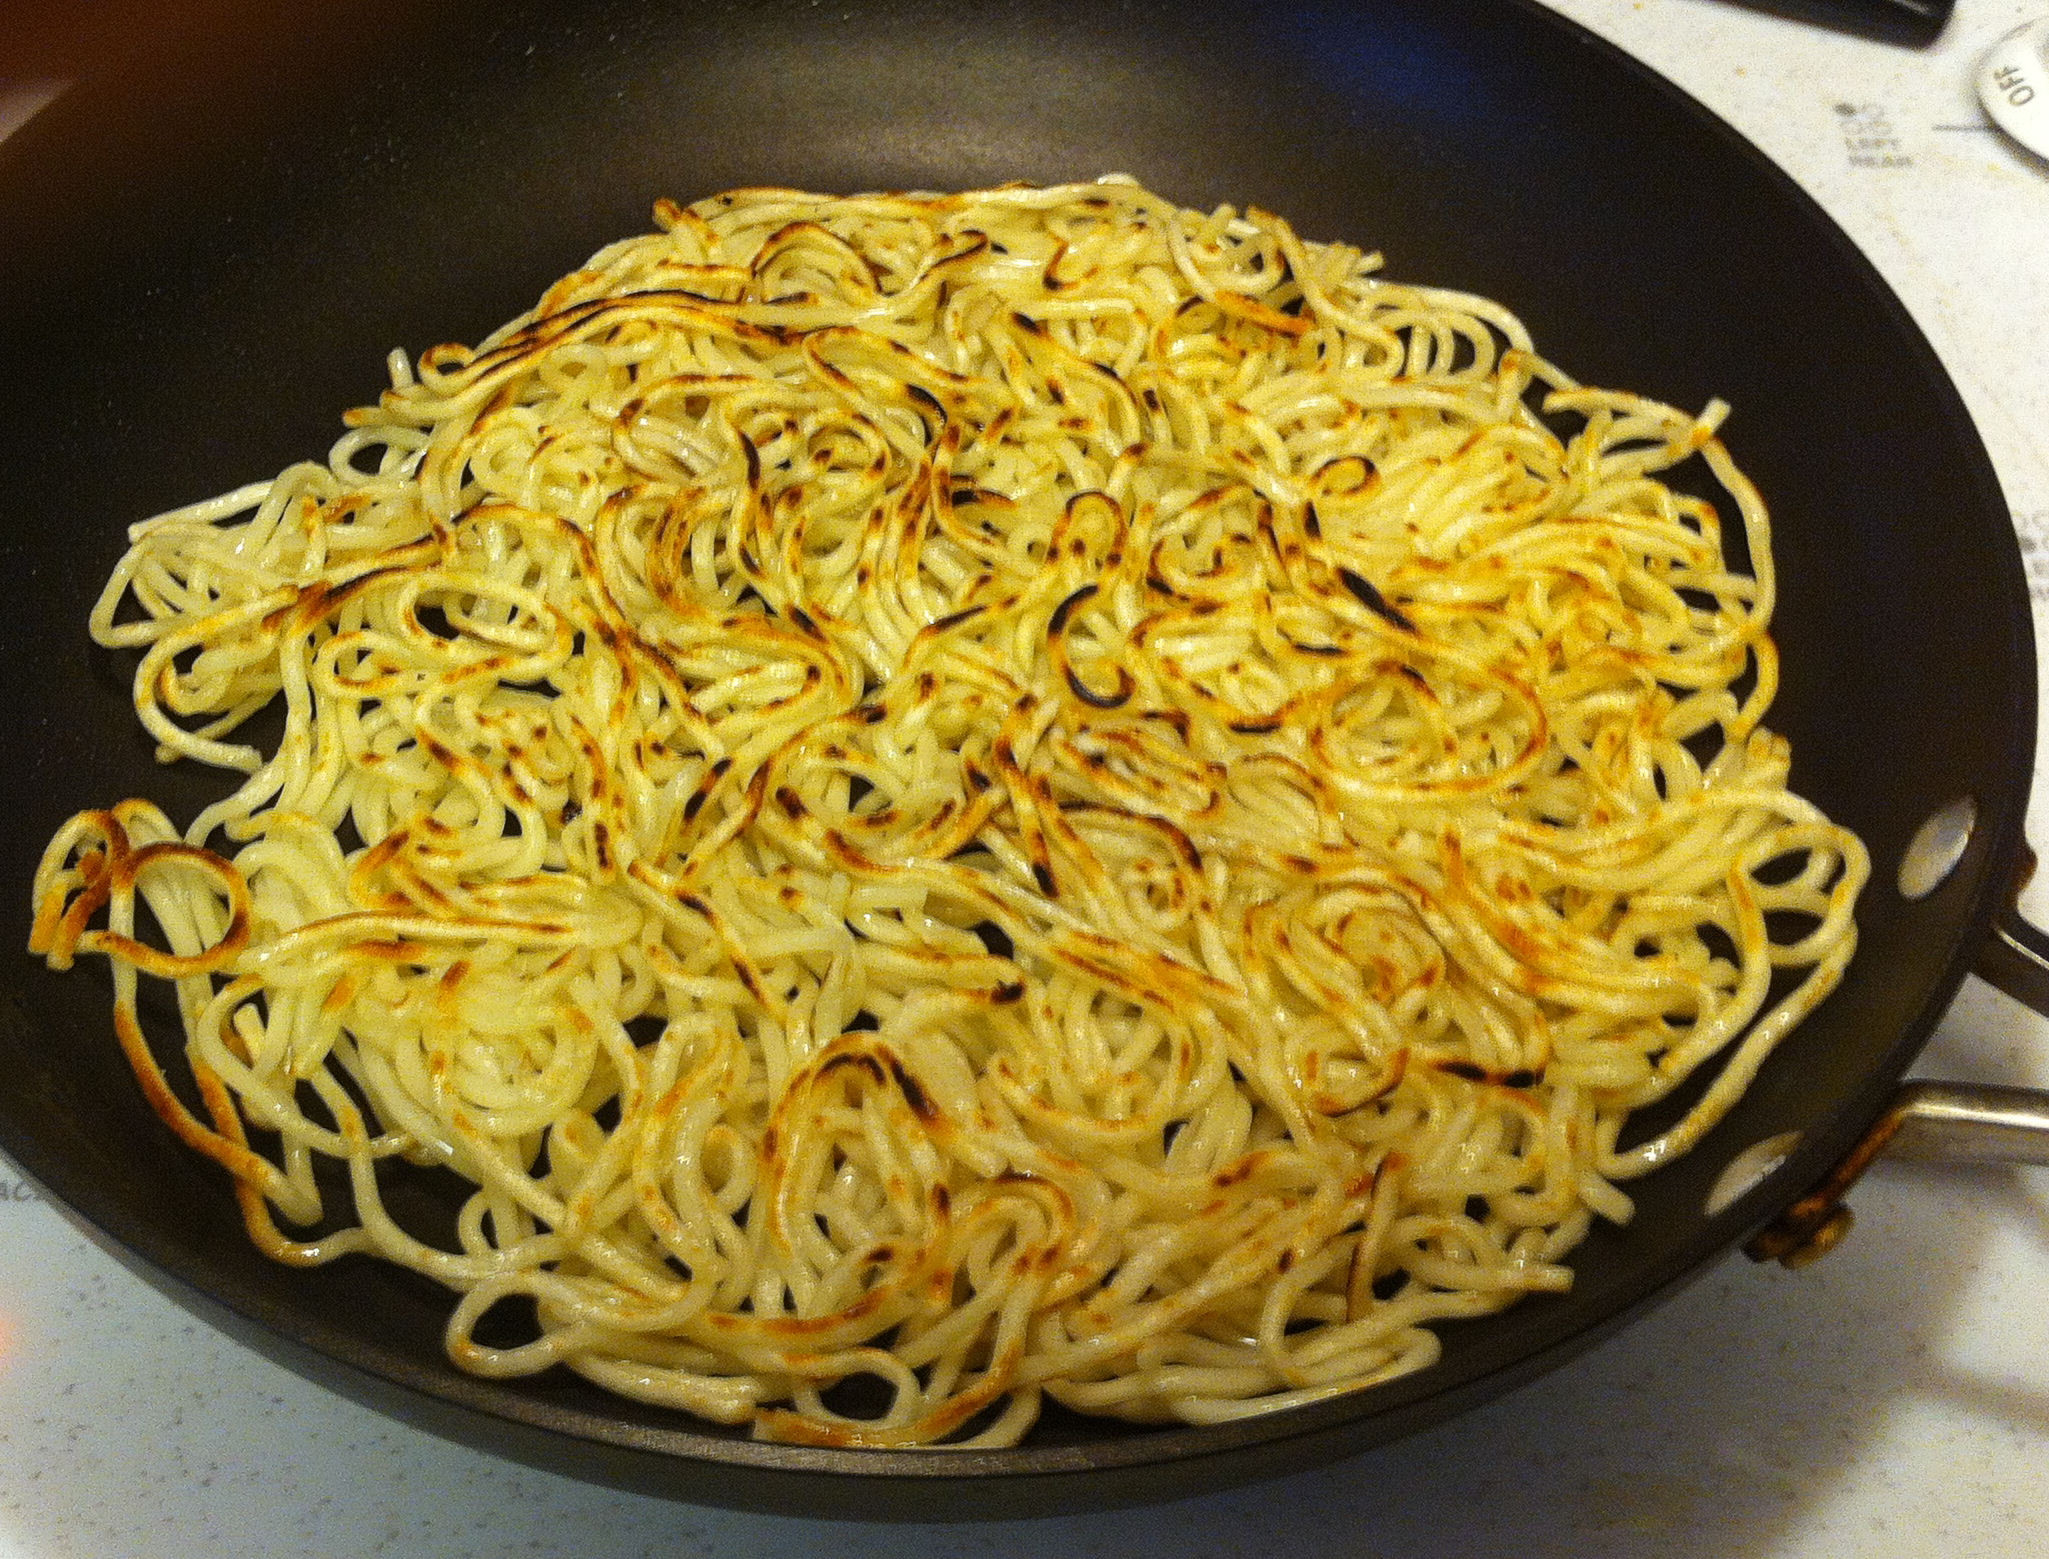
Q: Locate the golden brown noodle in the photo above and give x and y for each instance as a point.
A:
(1019, 792)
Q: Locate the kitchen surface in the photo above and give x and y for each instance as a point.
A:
(1890, 1400)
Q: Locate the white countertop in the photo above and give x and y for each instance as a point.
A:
(1891, 1401)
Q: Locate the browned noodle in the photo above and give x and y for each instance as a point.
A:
(1021, 792)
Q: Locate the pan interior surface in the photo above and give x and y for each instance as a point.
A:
(210, 254)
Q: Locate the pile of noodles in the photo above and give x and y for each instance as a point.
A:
(947, 799)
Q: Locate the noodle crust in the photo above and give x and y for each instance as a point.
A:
(943, 801)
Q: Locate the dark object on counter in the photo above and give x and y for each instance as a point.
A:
(208, 252)
(1916, 23)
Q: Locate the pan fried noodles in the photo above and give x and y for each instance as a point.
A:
(941, 801)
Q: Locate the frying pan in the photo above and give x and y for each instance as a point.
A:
(205, 257)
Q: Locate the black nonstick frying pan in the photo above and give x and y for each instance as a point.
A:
(204, 258)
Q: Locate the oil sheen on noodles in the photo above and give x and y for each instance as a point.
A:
(943, 801)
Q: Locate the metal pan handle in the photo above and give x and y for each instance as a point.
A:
(1963, 1123)
(2016, 959)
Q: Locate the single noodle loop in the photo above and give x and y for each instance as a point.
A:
(947, 800)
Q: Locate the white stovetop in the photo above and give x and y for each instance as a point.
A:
(1892, 1401)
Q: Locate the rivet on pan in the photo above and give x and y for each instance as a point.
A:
(1825, 1237)
(1936, 848)
(1748, 1168)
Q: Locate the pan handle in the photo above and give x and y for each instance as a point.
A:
(1961, 1123)
(2016, 959)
